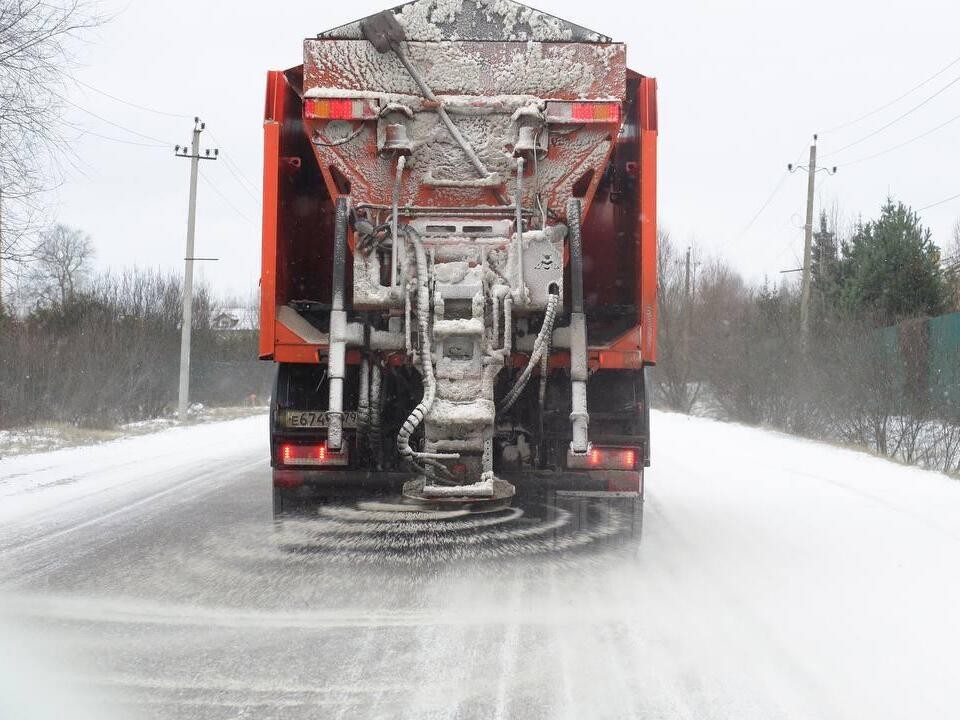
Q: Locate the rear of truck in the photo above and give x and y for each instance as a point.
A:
(459, 256)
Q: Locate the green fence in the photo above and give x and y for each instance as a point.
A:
(927, 352)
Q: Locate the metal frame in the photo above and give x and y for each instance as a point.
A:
(632, 350)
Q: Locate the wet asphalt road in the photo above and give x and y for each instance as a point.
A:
(194, 602)
(749, 596)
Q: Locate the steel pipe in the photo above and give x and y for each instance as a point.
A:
(336, 355)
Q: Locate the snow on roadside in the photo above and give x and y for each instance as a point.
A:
(43, 438)
(773, 457)
(41, 482)
(830, 575)
(735, 450)
(55, 436)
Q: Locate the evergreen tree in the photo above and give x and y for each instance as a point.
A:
(825, 271)
(891, 268)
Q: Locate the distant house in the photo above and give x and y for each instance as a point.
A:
(235, 319)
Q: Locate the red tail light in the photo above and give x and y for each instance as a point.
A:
(583, 112)
(339, 109)
(314, 454)
(604, 458)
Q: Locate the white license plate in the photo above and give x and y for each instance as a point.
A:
(316, 419)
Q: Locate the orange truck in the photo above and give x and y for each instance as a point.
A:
(459, 257)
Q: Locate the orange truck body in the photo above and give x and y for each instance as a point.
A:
(609, 161)
(604, 225)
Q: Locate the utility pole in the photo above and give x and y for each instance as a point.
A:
(807, 244)
(193, 152)
(811, 169)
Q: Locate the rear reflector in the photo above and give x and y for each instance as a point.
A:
(318, 454)
(583, 112)
(339, 109)
(604, 458)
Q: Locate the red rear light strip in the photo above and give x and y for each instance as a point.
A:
(293, 454)
(339, 109)
(583, 112)
(605, 458)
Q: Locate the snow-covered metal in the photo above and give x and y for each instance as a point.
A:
(436, 105)
(461, 132)
(484, 20)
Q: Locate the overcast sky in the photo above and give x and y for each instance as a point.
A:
(742, 87)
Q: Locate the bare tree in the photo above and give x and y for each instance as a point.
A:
(954, 249)
(112, 356)
(950, 262)
(60, 264)
(675, 372)
(36, 37)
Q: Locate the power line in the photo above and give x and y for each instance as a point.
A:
(897, 99)
(939, 202)
(223, 197)
(231, 166)
(118, 125)
(84, 131)
(131, 104)
(242, 176)
(238, 174)
(247, 186)
(763, 207)
(238, 177)
(160, 143)
(773, 194)
(899, 117)
(904, 143)
(791, 246)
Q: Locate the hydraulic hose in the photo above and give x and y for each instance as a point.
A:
(542, 398)
(540, 347)
(426, 366)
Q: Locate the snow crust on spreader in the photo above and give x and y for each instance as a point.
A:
(483, 20)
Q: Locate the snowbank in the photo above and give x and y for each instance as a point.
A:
(55, 436)
(43, 481)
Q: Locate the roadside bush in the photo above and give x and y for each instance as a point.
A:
(111, 354)
(852, 382)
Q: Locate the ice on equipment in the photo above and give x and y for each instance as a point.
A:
(459, 255)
